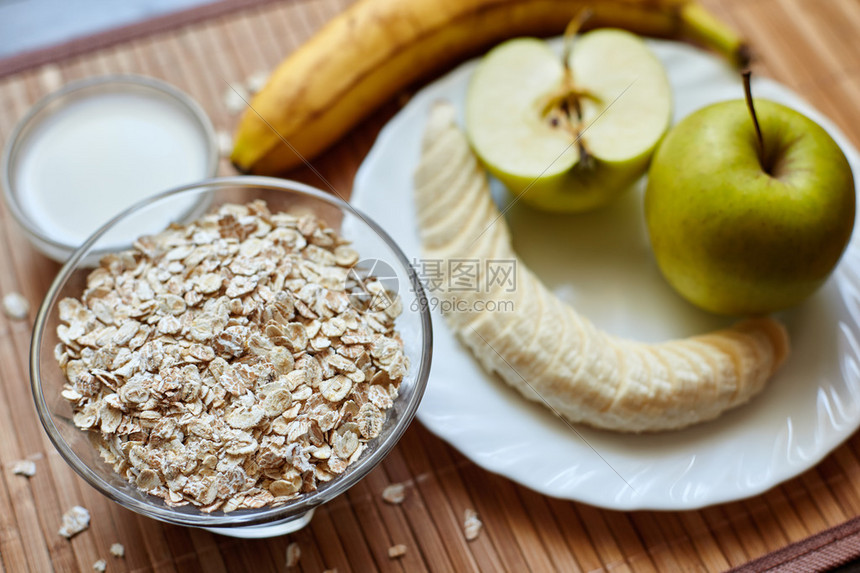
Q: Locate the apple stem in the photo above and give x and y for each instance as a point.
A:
(571, 30)
(748, 95)
(571, 102)
(584, 155)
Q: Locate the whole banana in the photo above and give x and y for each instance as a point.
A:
(375, 48)
(543, 347)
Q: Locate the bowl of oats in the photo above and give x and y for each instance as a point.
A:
(235, 371)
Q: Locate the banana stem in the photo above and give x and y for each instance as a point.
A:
(698, 24)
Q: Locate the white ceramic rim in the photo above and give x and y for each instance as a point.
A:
(835, 417)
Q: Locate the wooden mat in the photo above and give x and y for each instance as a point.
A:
(810, 45)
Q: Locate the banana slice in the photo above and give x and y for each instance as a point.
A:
(544, 348)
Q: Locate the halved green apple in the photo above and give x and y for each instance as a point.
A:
(569, 137)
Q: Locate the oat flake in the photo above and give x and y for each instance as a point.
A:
(223, 363)
(256, 81)
(225, 143)
(235, 97)
(294, 553)
(15, 306)
(25, 468)
(75, 520)
(471, 524)
(394, 493)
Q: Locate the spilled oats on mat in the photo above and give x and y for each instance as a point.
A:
(394, 493)
(75, 520)
(231, 363)
(15, 306)
(294, 553)
(26, 468)
(471, 524)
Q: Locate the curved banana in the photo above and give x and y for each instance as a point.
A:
(375, 48)
(552, 354)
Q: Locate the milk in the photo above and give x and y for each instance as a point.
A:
(99, 155)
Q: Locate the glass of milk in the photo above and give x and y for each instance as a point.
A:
(87, 152)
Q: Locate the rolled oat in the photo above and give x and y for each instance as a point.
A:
(235, 98)
(471, 525)
(26, 468)
(225, 143)
(228, 363)
(75, 520)
(256, 81)
(394, 493)
(15, 306)
(294, 553)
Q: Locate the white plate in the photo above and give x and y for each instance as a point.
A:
(609, 274)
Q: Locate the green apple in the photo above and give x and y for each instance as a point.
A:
(743, 223)
(568, 136)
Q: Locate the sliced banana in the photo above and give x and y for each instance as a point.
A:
(553, 355)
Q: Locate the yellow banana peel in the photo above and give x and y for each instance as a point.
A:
(375, 48)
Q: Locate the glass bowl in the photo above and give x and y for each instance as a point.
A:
(375, 248)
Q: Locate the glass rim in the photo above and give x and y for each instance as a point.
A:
(247, 517)
(17, 137)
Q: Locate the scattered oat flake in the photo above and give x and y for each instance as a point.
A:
(394, 493)
(194, 359)
(256, 81)
(16, 306)
(24, 468)
(117, 550)
(471, 524)
(235, 97)
(396, 551)
(332, 570)
(100, 566)
(75, 520)
(294, 553)
(225, 143)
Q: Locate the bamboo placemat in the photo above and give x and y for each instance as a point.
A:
(807, 44)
